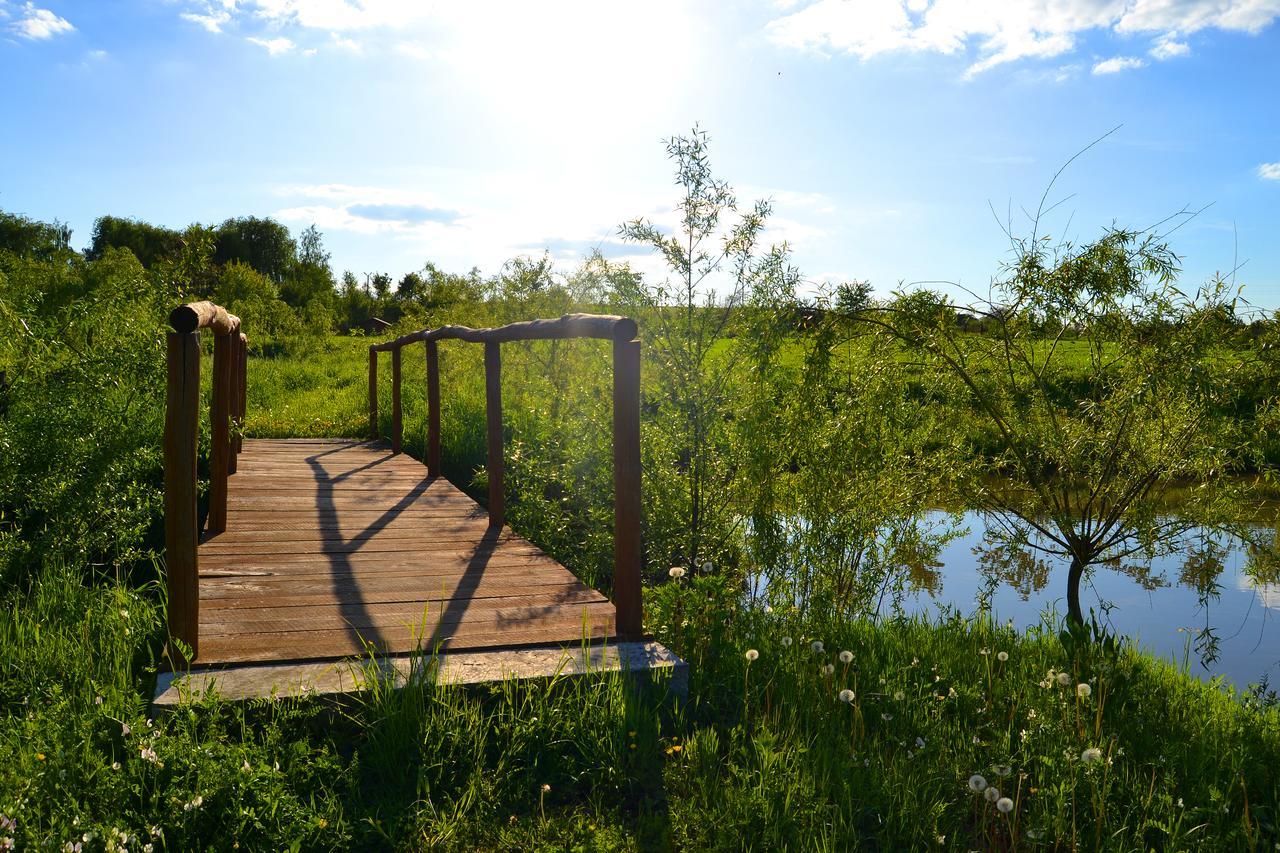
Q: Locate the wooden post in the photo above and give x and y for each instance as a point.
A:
(220, 444)
(493, 413)
(433, 409)
(397, 427)
(181, 535)
(373, 393)
(243, 362)
(233, 401)
(628, 618)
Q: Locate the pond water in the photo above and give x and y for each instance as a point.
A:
(1157, 604)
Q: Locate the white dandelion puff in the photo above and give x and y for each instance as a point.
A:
(1091, 755)
(1064, 679)
(1004, 771)
(786, 642)
(977, 783)
(898, 695)
(676, 572)
(817, 646)
(752, 654)
(1005, 805)
(992, 794)
(846, 657)
(846, 696)
(827, 669)
(1002, 657)
(1083, 690)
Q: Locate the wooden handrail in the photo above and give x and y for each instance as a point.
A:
(181, 447)
(627, 553)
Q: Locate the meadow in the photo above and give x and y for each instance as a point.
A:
(791, 448)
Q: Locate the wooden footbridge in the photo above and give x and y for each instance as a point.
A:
(315, 551)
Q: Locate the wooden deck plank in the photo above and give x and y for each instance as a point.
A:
(333, 544)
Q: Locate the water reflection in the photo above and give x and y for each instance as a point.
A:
(1221, 599)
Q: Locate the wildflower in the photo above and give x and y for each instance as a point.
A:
(951, 693)
(6, 843)
(1002, 657)
(148, 847)
(1064, 679)
(546, 789)
(898, 695)
(149, 754)
(827, 669)
(97, 700)
(1004, 771)
(977, 783)
(245, 767)
(124, 613)
(7, 823)
(846, 696)
(984, 652)
(72, 847)
(992, 794)
(1005, 805)
(786, 642)
(1091, 755)
(1083, 690)
(817, 646)
(752, 654)
(676, 572)
(39, 756)
(115, 765)
(196, 802)
(125, 730)
(846, 657)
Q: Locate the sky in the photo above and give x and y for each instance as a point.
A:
(897, 139)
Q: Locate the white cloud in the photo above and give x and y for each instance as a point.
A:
(212, 21)
(1167, 46)
(39, 24)
(1269, 171)
(1116, 64)
(275, 46)
(1002, 31)
(345, 43)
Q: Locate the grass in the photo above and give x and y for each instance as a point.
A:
(763, 754)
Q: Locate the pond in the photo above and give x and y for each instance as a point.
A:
(1157, 604)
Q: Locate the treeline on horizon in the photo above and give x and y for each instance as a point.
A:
(254, 265)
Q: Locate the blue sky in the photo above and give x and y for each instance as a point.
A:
(885, 131)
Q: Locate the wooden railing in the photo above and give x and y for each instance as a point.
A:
(181, 445)
(626, 426)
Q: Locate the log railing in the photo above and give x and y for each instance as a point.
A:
(181, 445)
(626, 426)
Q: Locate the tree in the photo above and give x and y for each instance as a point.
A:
(713, 262)
(31, 238)
(311, 279)
(263, 244)
(1090, 431)
(149, 243)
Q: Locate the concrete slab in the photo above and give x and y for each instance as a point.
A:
(647, 660)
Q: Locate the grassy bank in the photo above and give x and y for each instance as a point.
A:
(1107, 750)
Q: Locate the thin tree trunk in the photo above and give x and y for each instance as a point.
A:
(1073, 591)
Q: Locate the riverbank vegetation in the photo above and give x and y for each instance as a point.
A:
(791, 446)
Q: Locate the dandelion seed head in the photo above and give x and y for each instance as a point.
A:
(707, 567)
(992, 794)
(817, 646)
(676, 572)
(786, 642)
(846, 696)
(827, 669)
(1005, 805)
(752, 654)
(1083, 690)
(1064, 679)
(1002, 656)
(846, 657)
(977, 783)
(886, 717)
(1091, 755)
(1004, 771)
(919, 743)
(898, 695)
